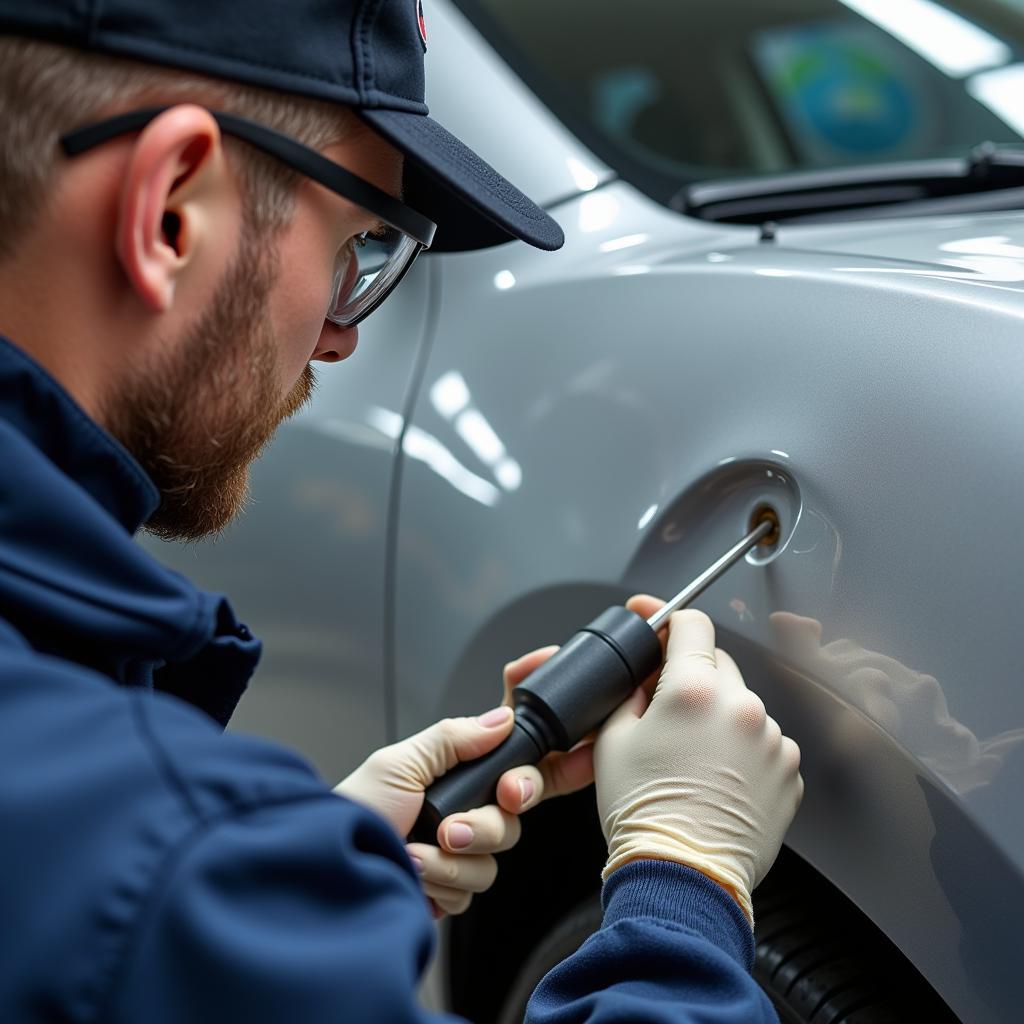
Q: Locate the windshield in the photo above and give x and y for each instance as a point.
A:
(669, 92)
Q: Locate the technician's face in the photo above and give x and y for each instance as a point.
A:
(324, 224)
(198, 420)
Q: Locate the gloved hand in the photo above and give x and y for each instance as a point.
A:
(699, 775)
(392, 781)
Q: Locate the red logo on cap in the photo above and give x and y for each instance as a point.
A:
(422, 23)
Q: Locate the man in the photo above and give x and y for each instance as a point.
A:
(187, 189)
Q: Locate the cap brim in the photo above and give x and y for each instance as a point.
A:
(472, 205)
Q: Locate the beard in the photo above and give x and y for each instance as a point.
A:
(199, 415)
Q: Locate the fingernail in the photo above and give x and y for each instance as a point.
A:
(526, 790)
(459, 836)
(499, 716)
(417, 864)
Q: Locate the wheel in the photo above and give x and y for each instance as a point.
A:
(822, 962)
(819, 960)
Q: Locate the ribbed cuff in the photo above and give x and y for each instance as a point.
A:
(672, 892)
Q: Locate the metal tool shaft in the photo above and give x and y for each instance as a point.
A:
(705, 579)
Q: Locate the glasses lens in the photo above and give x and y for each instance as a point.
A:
(366, 271)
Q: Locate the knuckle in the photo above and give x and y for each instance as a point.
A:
(513, 831)
(489, 874)
(446, 871)
(750, 712)
(695, 693)
(692, 616)
(790, 756)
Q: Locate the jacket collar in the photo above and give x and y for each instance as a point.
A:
(72, 581)
(44, 413)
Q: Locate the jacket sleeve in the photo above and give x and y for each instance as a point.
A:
(307, 910)
(673, 947)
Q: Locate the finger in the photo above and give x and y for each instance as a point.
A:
(452, 741)
(789, 753)
(691, 643)
(645, 605)
(558, 774)
(516, 671)
(447, 901)
(520, 789)
(483, 830)
(569, 772)
(472, 873)
(729, 678)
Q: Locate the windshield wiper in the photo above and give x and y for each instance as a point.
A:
(891, 189)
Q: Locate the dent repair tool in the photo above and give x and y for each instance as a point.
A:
(575, 690)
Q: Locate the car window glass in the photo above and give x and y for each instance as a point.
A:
(675, 91)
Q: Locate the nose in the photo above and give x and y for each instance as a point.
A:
(335, 343)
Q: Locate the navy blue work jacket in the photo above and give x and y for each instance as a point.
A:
(155, 869)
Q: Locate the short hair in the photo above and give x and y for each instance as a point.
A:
(47, 89)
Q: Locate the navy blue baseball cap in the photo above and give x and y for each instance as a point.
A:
(365, 54)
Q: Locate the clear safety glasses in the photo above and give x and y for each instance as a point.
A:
(370, 266)
(366, 272)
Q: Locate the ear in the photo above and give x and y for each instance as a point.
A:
(175, 178)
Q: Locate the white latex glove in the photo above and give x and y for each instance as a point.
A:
(700, 775)
(392, 781)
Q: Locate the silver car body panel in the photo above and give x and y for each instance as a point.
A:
(655, 381)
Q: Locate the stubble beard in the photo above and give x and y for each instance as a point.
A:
(198, 417)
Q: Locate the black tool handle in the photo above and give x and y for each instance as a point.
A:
(568, 696)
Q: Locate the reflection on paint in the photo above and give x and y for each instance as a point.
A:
(472, 426)
(987, 245)
(647, 517)
(504, 280)
(974, 268)
(449, 394)
(426, 448)
(598, 211)
(625, 242)
(911, 706)
(451, 397)
(586, 178)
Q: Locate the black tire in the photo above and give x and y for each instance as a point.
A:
(822, 962)
(819, 960)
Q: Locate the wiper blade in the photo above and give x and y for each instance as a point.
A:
(782, 197)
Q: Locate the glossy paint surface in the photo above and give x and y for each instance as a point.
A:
(655, 381)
